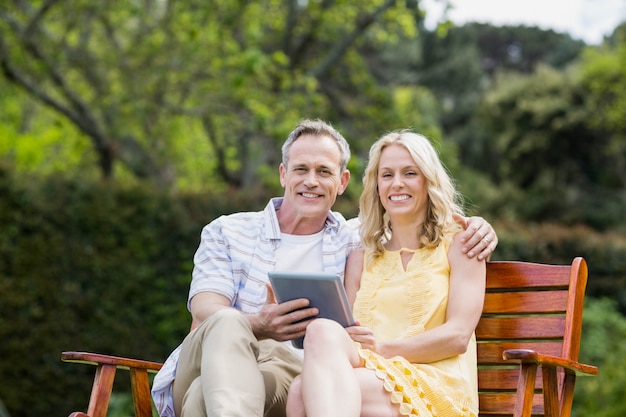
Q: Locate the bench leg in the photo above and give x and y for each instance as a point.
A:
(525, 390)
(141, 392)
(101, 391)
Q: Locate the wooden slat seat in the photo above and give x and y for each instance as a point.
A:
(528, 345)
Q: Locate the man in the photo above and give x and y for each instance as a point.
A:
(235, 361)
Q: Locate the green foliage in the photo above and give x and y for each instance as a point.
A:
(541, 141)
(155, 89)
(121, 405)
(460, 65)
(36, 140)
(604, 74)
(520, 48)
(604, 77)
(95, 267)
(483, 198)
(197, 97)
(604, 331)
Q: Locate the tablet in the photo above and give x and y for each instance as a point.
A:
(324, 291)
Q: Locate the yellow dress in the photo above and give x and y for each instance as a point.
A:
(398, 304)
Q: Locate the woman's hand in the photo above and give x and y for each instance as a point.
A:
(478, 238)
(362, 335)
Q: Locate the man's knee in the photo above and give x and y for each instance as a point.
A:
(227, 320)
(227, 315)
(223, 330)
(193, 401)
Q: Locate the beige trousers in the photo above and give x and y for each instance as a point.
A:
(224, 371)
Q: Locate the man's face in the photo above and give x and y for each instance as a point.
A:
(313, 178)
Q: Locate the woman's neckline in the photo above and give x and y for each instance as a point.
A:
(402, 250)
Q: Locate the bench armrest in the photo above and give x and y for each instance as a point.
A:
(531, 356)
(97, 358)
(106, 366)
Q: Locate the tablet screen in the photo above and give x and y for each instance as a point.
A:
(324, 291)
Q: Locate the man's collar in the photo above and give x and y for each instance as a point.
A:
(333, 220)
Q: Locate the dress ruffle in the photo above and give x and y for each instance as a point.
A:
(413, 398)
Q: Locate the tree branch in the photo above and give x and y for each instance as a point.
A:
(340, 48)
(296, 51)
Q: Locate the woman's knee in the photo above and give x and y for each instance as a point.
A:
(324, 332)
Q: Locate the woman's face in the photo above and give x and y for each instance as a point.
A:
(402, 187)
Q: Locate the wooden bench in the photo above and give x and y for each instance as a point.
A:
(528, 345)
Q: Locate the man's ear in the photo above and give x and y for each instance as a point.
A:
(282, 172)
(345, 179)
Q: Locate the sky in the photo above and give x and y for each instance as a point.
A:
(587, 20)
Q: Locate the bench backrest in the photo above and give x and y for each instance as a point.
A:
(527, 306)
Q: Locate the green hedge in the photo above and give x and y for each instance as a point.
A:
(93, 267)
(105, 268)
(602, 345)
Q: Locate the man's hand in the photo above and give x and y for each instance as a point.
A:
(479, 238)
(285, 321)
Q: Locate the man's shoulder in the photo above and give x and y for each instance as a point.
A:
(349, 231)
(245, 221)
(242, 216)
(239, 217)
(351, 225)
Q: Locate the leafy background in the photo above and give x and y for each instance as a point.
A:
(127, 126)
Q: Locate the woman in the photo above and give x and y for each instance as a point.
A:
(416, 298)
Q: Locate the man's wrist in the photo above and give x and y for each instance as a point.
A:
(253, 319)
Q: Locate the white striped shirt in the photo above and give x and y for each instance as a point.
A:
(235, 254)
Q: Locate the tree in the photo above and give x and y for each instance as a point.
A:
(540, 139)
(461, 65)
(147, 81)
(604, 76)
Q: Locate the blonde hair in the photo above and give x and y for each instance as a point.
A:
(443, 199)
